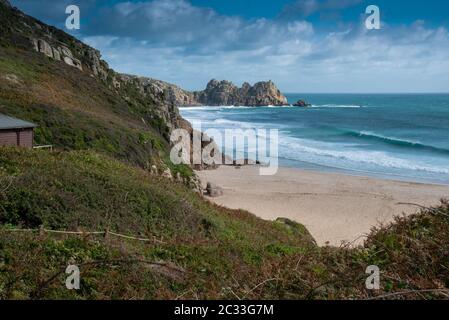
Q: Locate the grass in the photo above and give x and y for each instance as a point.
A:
(203, 251)
(82, 190)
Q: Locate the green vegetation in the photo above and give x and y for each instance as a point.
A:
(199, 250)
(90, 192)
(77, 113)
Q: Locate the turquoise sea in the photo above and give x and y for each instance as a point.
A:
(397, 136)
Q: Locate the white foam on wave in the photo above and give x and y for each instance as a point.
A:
(223, 121)
(336, 106)
(230, 124)
(213, 107)
(393, 139)
(338, 155)
(306, 150)
(277, 107)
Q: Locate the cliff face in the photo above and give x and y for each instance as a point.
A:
(225, 93)
(217, 93)
(172, 93)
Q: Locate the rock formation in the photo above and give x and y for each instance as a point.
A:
(172, 93)
(213, 190)
(59, 53)
(217, 93)
(225, 93)
(302, 103)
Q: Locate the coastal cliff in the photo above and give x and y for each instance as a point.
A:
(78, 102)
(225, 93)
(217, 93)
(27, 33)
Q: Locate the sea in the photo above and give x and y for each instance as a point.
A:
(393, 136)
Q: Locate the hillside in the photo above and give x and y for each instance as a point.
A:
(76, 100)
(156, 238)
(86, 191)
(196, 250)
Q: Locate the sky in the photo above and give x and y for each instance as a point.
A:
(304, 46)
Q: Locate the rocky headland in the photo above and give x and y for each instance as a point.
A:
(225, 93)
(217, 93)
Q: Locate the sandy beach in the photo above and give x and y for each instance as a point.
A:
(335, 208)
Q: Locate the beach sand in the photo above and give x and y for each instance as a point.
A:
(335, 208)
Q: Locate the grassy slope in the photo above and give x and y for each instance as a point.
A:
(86, 191)
(208, 251)
(73, 110)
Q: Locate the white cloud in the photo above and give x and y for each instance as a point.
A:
(178, 42)
(307, 8)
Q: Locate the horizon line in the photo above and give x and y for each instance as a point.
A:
(436, 92)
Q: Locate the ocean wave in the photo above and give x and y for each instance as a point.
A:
(214, 107)
(395, 141)
(345, 155)
(337, 106)
(297, 149)
(225, 123)
(278, 107)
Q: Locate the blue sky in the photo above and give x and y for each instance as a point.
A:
(302, 45)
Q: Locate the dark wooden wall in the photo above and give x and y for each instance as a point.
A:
(17, 137)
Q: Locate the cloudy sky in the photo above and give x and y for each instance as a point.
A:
(303, 45)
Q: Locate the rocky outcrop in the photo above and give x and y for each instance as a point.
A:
(59, 53)
(302, 103)
(225, 93)
(213, 190)
(218, 93)
(161, 95)
(156, 92)
(172, 93)
(53, 48)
